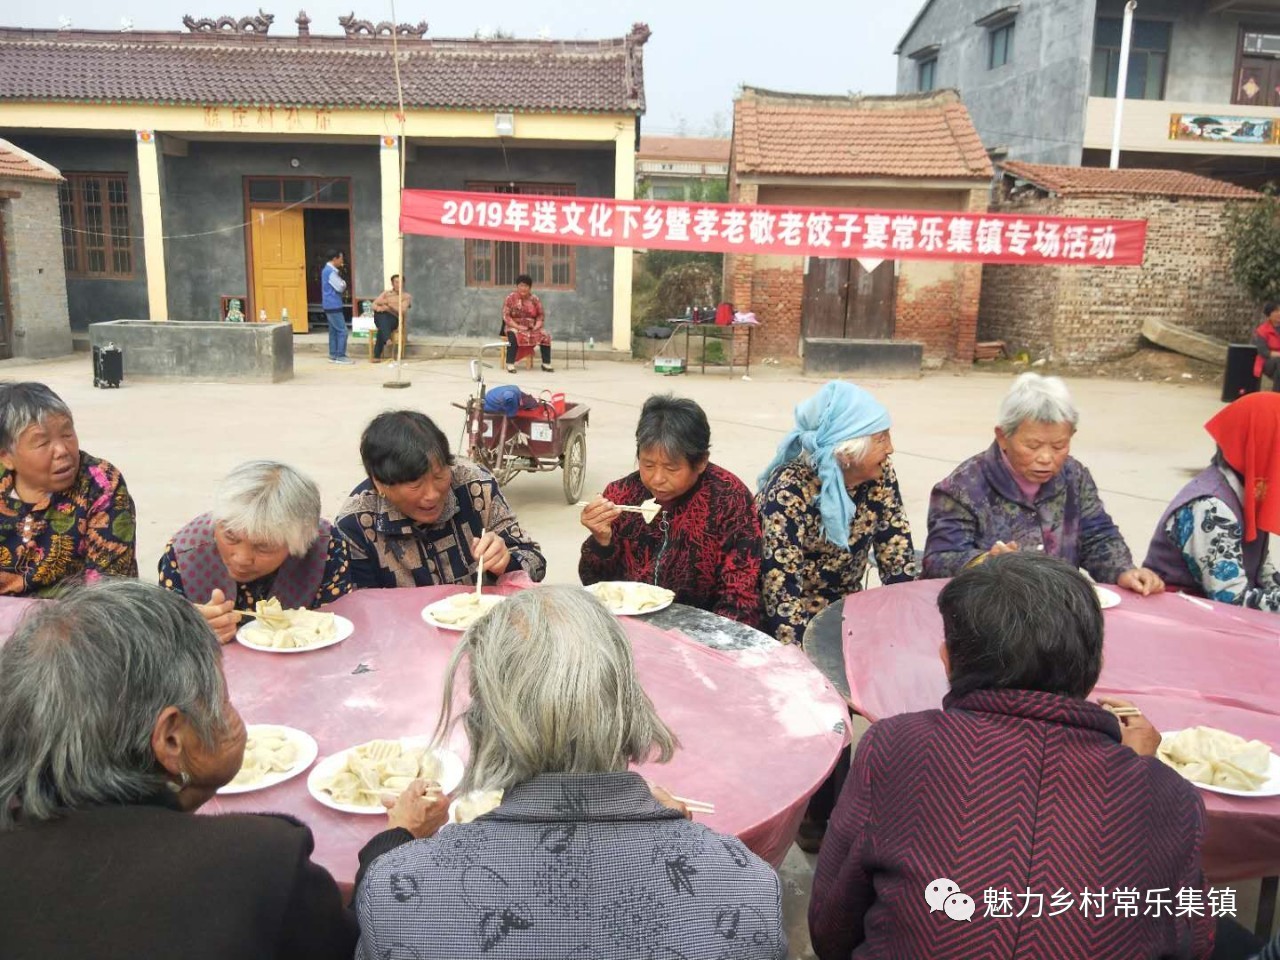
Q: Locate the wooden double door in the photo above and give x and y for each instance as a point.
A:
(843, 300)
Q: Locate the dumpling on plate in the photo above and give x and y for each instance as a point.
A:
(1217, 758)
(474, 804)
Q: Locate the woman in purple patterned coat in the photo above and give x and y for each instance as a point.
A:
(263, 538)
(1026, 492)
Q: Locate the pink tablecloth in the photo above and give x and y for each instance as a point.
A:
(759, 730)
(1182, 664)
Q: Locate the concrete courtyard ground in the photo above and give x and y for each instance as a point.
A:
(1142, 441)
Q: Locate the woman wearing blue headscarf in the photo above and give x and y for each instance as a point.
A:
(828, 499)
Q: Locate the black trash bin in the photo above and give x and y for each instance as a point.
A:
(1238, 378)
(108, 366)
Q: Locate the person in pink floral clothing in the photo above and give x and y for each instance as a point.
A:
(524, 325)
(64, 515)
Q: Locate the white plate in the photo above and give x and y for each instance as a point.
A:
(1269, 789)
(450, 777)
(630, 611)
(1107, 598)
(307, 753)
(344, 629)
(492, 599)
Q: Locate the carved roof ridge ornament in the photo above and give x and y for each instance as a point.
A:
(259, 24)
(383, 28)
(639, 34)
(304, 24)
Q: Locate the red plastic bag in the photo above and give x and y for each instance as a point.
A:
(550, 406)
(555, 400)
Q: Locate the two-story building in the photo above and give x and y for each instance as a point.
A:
(676, 168)
(224, 162)
(1039, 78)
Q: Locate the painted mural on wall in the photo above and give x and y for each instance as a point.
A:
(1223, 129)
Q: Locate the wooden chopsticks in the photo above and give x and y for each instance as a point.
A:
(624, 507)
(1125, 711)
(695, 806)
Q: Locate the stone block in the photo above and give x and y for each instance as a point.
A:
(882, 358)
(199, 350)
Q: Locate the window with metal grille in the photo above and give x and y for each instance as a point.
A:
(96, 240)
(497, 263)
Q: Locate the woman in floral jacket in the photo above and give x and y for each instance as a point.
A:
(1214, 538)
(827, 501)
(1026, 492)
(64, 515)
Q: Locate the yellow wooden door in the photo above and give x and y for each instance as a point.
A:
(279, 265)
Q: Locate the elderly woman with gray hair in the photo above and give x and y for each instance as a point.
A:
(64, 515)
(582, 858)
(263, 538)
(1026, 492)
(827, 502)
(115, 725)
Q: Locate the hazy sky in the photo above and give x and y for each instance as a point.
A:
(700, 51)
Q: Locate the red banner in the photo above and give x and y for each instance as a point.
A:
(804, 231)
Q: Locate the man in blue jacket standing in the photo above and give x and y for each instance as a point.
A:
(332, 286)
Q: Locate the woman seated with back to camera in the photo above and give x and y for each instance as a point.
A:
(1026, 492)
(704, 544)
(263, 538)
(422, 518)
(64, 515)
(1018, 783)
(583, 858)
(115, 726)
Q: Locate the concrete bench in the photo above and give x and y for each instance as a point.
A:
(885, 358)
(200, 350)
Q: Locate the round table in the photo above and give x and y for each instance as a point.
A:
(759, 727)
(1183, 664)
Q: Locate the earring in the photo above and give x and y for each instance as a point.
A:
(184, 778)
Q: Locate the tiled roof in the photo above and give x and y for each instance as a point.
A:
(928, 136)
(17, 164)
(1101, 181)
(593, 76)
(693, 149)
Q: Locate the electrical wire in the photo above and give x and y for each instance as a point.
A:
(133, 237)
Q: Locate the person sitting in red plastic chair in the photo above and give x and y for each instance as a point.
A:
(523, 321)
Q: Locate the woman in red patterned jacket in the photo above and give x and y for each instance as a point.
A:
(978, 830)
(705, 543)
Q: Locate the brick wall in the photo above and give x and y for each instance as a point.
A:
(1089, 314)
(776, 296)
(38, 323)
(936, 304)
